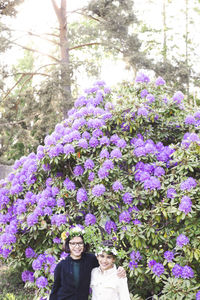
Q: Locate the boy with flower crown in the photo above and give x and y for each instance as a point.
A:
(72, 275)
(105, 283)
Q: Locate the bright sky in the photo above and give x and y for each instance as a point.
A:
(38, 16)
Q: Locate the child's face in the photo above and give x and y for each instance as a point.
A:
(106, 261)
(76, 247)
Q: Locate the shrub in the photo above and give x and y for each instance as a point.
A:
(126, 166)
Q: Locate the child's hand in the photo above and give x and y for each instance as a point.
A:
(121, 273)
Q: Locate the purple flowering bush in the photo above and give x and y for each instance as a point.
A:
(127, 171)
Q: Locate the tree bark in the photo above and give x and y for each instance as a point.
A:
(61, 13)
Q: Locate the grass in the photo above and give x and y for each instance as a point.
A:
(12, 286)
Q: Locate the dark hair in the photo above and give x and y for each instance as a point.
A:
(66, 244)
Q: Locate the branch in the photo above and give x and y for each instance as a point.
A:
(10, 90)
(18, 122)
(95, 43)
(24, 74)
(33, 50)
(41, 36)
(88, 16)
(30, 73)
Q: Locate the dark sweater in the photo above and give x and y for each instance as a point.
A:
(64, 287)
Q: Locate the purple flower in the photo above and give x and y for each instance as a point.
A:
(41, 282)
(137, 222)
(48, 211)
(91, 176)
(37, 264)
(142, 176)
(159, 171)
(152, 183)
(104, 141)
(144, 93)
(104, 153)
(150, 98)
(139, 151)
(133, 265)
(75, 135)
(116, 153)
(124, 217)
(121, 143)
(187, 272)
(97, 133)
(117, 185)
(114, 139)
(56, 240)
(178, 97)
(58, 220)
(168, 255)
(78, 171)
(89, 164)
(81, 195)
(142, 111)
(141, 77)
(69, 185)
(198, 295)
(90, 219)
(190, 120)
(108, 164)
(60, 202)
(82, 143)
(27, 276)
(185, 204)
(102, 173)
(177, 271)
(109, 106)
(49, 140)
(29, 252)
(86, 135)
(98, 190)
(135, 255)
(158, 269)
(151, 263)
(68, 148)
(127, 198)
(55, 151)
(182, 240)
(188, 184)
(32, 219)
(93, 142)
(109, 226)
(171, 193)
(160, 81)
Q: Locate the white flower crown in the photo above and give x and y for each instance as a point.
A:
(105, 249)
(74, 231)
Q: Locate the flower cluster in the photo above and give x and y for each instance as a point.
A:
(135, 258)
(185, 272)
(157, 268)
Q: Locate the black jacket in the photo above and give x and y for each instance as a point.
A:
(64, 286)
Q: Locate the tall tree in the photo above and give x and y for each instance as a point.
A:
(61, 13)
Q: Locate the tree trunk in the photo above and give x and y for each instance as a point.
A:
(164, 33)
(186, 49)
(61, 14)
